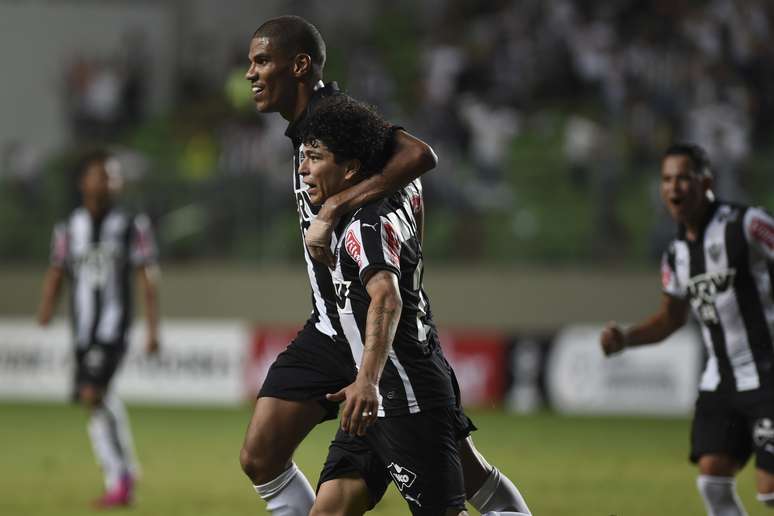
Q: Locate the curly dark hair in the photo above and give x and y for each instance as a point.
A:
(350, 130)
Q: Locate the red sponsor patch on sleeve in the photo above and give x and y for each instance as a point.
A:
(763, 232)
(59, 253)
(354, 247)
(391, 244)
(416, 203)
(666, 275)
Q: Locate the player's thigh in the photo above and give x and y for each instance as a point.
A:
(352, 456)
(422, 458)
(718, 465)
(720, 437)
(348, 496)
(278, 426)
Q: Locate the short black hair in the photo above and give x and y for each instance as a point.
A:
(90, 157)
(295, 35)
(350, 130)
(697, 155)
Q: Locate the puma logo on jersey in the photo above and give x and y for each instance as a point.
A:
(372, 226)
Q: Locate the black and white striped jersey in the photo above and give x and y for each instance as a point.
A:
(383, 236)
(324, 313)
(98, 256)
(727, 274)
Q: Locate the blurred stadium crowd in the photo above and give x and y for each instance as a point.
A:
(548, 117)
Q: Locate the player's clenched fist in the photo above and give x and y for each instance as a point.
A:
(612, 339)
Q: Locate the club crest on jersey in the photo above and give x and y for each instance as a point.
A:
(704, 290)
(353, 247)
(763, 432)
(715, 251)
(403, 477)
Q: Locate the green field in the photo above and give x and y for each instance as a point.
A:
(563, 465)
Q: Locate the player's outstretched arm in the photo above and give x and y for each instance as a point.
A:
(361, 398)
(412, 158)
(670, 317)
(148, 276)
(52, 285)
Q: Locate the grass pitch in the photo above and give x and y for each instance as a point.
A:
(563, 465)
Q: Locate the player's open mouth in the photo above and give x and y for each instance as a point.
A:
(257, 90)
(676, 202)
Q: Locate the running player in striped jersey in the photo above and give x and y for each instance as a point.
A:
(287, 57)
(97, 248)
(721, 267)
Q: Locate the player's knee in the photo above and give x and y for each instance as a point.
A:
(766, 499)
(90, 396)
(261, 467)
(319, 509)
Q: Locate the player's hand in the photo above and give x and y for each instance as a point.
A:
(152, 344)
(612, 339)
(318, 241)
(361, 401)
(44, 317)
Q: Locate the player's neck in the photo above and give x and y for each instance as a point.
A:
(695, 226)
(303, 95)
(97, 209)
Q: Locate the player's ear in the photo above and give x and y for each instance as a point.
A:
(302, 65)
(352, 169)
(707, 183)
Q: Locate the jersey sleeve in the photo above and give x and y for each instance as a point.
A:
(759, 232)
(143, 246)
(670, 284)
(373, 244)
(414, 192)
(59, 246)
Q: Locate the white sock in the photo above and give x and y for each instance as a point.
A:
(498, 496)
(106, 448)
(290, 494)
(719, 495)
(123, 432)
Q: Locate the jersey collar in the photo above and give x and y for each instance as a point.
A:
(321, 90)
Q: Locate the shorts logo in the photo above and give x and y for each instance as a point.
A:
(403, 477)
(763, 432)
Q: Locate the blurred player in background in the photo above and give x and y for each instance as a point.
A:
(287, 56)
(98, 248)
(720, 265)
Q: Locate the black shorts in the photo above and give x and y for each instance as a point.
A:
(736, 424)
(312, 366)
(96, 364)
(418, 453)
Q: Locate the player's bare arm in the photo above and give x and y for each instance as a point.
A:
(361, 398)
(411, 159)
(148, 276)
(670, 317)
(52, 285)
